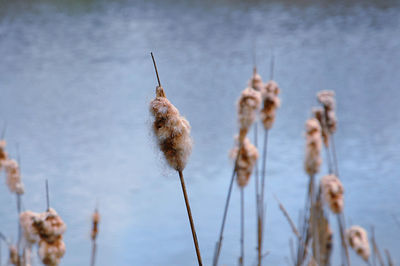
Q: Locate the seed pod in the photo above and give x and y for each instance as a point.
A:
(271, 102)
(332, 190)
(3, 153)
(13, 174)
(313, 159)
(246, 161)
(248, 106)
(95, 223)
(51, 253)
(358, 241)
(318, 113)
(171, 130)
(27, 219)
(256, 81)
(327, 99)
(49, 226)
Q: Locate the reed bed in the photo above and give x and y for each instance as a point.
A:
(257, 103)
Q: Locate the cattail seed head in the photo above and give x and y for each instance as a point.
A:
(3, 153)
(318, 113)
(171, 130)
(327, 99)
(27, 219)
(248, 105)
(313, 159)
(332, 190)
(255, 81)
(49, 226)
(358, 240)
(51, 253)
(271, 102)
(246, 161)
(13, 255)
(95, 224)
(13, 174)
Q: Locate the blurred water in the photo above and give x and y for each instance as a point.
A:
(76, 79)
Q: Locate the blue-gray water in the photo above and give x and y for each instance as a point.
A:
(76, 79)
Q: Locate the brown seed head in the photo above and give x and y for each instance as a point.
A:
(256, 82)
(271, 102)
(358, 240)
(27, 219)
(13, 174)
(51, 253)
(248, 105)
(95, 223)
(246, 161)
(313, 159)
(172, 131)
(49, 226)
(332, 190)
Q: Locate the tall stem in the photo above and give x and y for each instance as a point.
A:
(94, 249)
(241, 259)
(335, 163)
(155, 68)
(196, 244)
(228, 198)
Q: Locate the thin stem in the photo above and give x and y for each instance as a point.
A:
(94, 249)
(341, 223)
(262, 202)
(241, 259)
(19, 227)
(258, 201)
(264, 164)
(47, 196)
(228, 198)
(375, 247)
(335, 162)
(196, 244)
(155, 68)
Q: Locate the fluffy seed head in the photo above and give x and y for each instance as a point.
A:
(49, 226)
(332, 190)
(327, 99)
(3, 153)
(95, 224)
(256, 82)
(51, 253)
(171, 130)
(271, 102)
(313, 159)
(246, 161)
(248, 105)
(358, 240)
(27, 219)
(319, 114)
(13, 174)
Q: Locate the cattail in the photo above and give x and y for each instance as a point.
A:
(333, 190)
(313, 147)
(172, 131)
(327, 99)
(358, 240)
(3, 153)
(50, 228)
(13, 174)
(13, 255)
(318, 113)
(255, 81)
(271, 102)
(95, 223)
(26, 219)
(51, 253)
(248, 105)
(246, 161)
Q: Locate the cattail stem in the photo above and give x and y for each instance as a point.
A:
(196, 244)
(375, 248)
(47, 196)
(241, 259)
(94, 249)
(228, 198)
(258, 200)
(335, 162)
(155, 68)
(340, 219)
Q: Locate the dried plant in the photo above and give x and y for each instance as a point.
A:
(327, 99)
(271, 102)
(94, 233)
(255, 81)
(313, 147)
(358, 241)
(3, 153)
(13, 258)
(31, 235)
(173, 135)
(247, 160)
(248, 106)
(332, 190)
(13, 174)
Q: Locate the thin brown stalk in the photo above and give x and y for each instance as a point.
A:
(155, 68)
(241, 259)
(340, 219)
(94, 249)
(389, 258)
(262, 201)
(335, 162)
(196, 244)
(375, 247)
(218, 246)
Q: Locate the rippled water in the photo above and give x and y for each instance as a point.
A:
(76, 79)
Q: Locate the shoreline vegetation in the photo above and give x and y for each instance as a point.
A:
(40, 234)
